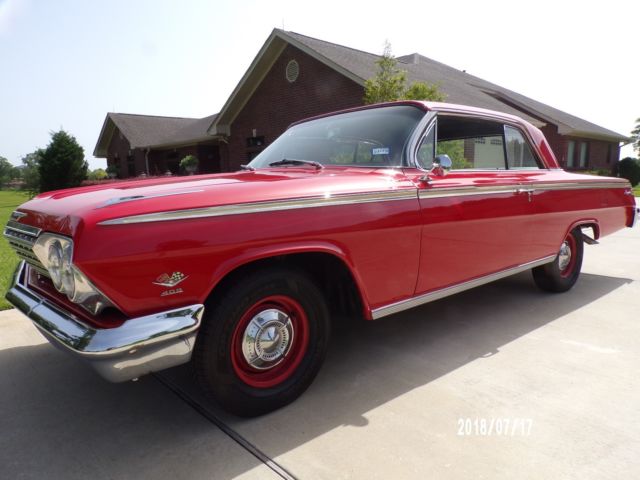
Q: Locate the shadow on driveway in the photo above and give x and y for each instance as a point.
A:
(59, 420)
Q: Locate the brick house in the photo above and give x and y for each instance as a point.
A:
(293, 77)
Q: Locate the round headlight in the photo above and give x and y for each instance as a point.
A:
(55, 263)
(66, 272)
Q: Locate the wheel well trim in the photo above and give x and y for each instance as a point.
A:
(227, 268)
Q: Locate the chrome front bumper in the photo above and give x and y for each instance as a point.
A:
(137, 347)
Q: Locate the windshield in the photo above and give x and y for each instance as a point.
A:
(365, 138)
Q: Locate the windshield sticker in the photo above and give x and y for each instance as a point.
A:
(380, 151)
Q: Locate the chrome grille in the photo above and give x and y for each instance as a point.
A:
(22, 238)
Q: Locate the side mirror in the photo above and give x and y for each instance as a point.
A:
(441, 165)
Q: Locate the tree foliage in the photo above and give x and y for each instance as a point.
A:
(31, 172)
(635, 136)
(424, 91)
(7, 172)
(62, 163)
(97, 174)
(390, 83)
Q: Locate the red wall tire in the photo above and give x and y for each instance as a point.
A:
(562, 274)
(262, 341)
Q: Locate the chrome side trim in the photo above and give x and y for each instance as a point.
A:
(466, 191)
(461, 287)
(514, 188)
(576, 185)
(269, 206)
(137, 347)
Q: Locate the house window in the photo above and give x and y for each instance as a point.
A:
(571, 148)
(583, 154)
(609, 152)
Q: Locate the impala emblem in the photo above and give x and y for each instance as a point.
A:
(174, 279)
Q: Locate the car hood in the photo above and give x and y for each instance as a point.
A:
(66, 211)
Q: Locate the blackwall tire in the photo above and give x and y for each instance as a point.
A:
(262, 341)
(562, 274)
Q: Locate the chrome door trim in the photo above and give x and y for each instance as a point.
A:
(268, 206)
(463, 191)
(452, 290)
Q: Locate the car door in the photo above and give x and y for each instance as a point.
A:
(474, 219)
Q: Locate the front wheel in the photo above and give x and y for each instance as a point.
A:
(262, 342)
(561, 274)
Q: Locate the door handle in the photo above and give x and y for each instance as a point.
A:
(528, 191)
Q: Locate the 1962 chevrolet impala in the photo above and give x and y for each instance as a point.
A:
(366, 212)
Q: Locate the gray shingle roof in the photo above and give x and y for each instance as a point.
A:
(153, 131)
(150, 130)
(460, 87)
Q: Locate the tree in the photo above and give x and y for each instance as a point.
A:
(6, 171)
(635, 136)
(31, 172)
(389, 83)
(97, 174)
(423, 91)
(62, 163)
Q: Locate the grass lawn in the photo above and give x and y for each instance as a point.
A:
(9, 200)
(636, 190)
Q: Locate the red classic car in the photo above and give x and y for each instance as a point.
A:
(365, 212)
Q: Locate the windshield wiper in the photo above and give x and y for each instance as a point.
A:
(292, 161)
(247, 167)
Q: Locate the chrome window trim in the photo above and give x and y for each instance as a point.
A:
(268, 206)
(461, 287)
(504, 121)
(416, 138)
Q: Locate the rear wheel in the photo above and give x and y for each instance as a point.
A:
(561, 274)
(262, 342)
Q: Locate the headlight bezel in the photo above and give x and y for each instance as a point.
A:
(66, 277)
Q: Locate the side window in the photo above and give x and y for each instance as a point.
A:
(471, 142)
(519, 152)
(426, 150)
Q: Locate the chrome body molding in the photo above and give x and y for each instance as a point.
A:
(137, 347)
(268, 206)
(452, 290)
(515, 188)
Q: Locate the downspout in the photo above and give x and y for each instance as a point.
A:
(146, 160)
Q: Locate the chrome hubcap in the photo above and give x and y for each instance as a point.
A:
(267, 339)
(565, 255)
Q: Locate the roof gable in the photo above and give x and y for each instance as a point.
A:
(459, 86)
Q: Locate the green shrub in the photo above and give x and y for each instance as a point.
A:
(629, 168)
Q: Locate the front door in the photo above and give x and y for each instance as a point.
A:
(475, 219)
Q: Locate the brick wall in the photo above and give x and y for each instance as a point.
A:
(601, 155)
(277, 103)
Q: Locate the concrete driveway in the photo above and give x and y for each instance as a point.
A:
(503, 381)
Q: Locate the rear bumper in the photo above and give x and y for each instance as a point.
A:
(137, 347)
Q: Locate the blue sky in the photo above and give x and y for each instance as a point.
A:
(66, 63)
